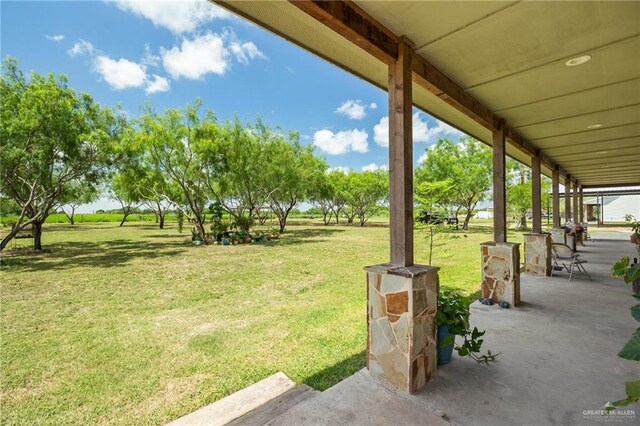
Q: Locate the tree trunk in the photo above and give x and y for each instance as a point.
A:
(200, 230)
(326, 217)
(37, 235)
(71, 215)
(161, 220)
(127, 212)
(9, 237)
(15, 230)
(467, 218)
(523, 222)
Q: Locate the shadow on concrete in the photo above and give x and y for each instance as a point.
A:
(336, 373)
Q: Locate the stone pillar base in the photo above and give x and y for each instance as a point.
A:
(402, 303)
(537, 254)
(501, 272)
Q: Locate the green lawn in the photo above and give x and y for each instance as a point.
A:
(134, 325)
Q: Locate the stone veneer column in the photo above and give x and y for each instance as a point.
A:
(501, 272)
(537, 254)
(402, 303)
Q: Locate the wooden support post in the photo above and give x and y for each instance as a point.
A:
(401, 158)
(555, 185)
(581, 216)
(536, 196)
(499, 188)
(575, 202)
(567, 198)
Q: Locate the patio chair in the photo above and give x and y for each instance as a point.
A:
(565, 258)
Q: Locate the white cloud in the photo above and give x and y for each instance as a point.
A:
(81, 47)
(245, 51)
(355, 110)
(120, 74)
(197, 57)
(421, 130)
(341, 142)
(381, 132)
(177, 16)
(372, 167)
(150, 58)
(373, 105)
(341, 169)
(56, 38)
(423, 157)
(157, 84)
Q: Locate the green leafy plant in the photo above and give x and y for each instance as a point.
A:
(635, 224)
(244, 223)
(195, 236)
(631, 350)
(453, 312)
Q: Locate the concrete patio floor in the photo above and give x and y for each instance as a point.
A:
(558, 361)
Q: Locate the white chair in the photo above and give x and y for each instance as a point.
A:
(565, 258)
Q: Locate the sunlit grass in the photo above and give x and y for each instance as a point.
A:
(135, 325)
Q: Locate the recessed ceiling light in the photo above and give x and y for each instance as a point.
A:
(594, 126)
(602, 152)
(574, 62)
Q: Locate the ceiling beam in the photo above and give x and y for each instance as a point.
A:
(354, 24)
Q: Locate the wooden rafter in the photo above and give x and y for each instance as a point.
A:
(349, 20)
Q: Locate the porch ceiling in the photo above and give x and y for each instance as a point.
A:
(510, 56)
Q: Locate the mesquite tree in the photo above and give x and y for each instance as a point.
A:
(293, 172)
(52, 138)
(466, 164)
(181, 146)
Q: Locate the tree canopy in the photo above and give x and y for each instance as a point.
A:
(53, 140)
(466, 166)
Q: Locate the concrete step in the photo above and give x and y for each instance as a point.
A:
(276, 407)
(271, 396)
(360, 400)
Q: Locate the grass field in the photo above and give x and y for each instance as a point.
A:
(90, 218)
(135, 325)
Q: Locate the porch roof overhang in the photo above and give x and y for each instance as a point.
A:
(478, 65)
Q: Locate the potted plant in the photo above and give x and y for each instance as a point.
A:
(272, 234)
(196, 240)
(630, 272)
(635, 228)
(452, 319)
(244, 237)
(631, 350)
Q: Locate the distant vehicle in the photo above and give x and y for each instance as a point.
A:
(435, 218)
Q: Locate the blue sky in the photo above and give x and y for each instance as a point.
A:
(169, 53)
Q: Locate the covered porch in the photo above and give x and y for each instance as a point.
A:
(558, 362)
(554, 86)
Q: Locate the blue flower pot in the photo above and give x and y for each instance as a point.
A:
(444, 352)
